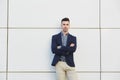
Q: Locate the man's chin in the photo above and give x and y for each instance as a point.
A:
(65, 30)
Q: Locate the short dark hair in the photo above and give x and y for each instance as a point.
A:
(65, 19)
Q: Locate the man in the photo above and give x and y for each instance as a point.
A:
(63, 46)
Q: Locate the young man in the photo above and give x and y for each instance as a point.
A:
(63, 46)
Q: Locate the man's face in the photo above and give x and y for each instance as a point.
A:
(65, 26)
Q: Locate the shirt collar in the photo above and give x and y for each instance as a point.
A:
(63, 33)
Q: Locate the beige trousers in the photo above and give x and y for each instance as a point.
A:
(64, 71)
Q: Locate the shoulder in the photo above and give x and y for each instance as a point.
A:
(55, 35)
(72, 36)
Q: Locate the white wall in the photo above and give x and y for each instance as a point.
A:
(32, 23)
(3, 13)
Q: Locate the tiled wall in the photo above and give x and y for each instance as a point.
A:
(26, 27)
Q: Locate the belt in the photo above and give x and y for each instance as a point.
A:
(62, 60)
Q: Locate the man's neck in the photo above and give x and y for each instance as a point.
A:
(64, 33)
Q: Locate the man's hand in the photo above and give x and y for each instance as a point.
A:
(58, 47)
(72, 45)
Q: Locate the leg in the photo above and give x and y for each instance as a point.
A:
(71, 73)
(60, 72)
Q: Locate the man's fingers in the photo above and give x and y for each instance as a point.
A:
(58, 47)
(72, 45)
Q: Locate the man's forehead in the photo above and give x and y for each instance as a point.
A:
(65, 21)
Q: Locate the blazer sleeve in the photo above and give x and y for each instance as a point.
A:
(54, 47)
(69, 49)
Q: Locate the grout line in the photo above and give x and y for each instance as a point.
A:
(31, 71)
(2, 71)
(55, 72)
(49, 28)
(41, 28)
(110, 71)
(3, 27)
(7, 39)
(100, 37)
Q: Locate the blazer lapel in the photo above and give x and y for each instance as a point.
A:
(59, 38)
(68, 40)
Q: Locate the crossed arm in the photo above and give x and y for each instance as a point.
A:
(63, 50)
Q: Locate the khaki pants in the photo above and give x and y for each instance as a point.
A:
(64, 71)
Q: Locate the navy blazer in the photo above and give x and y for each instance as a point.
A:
(66, 51)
